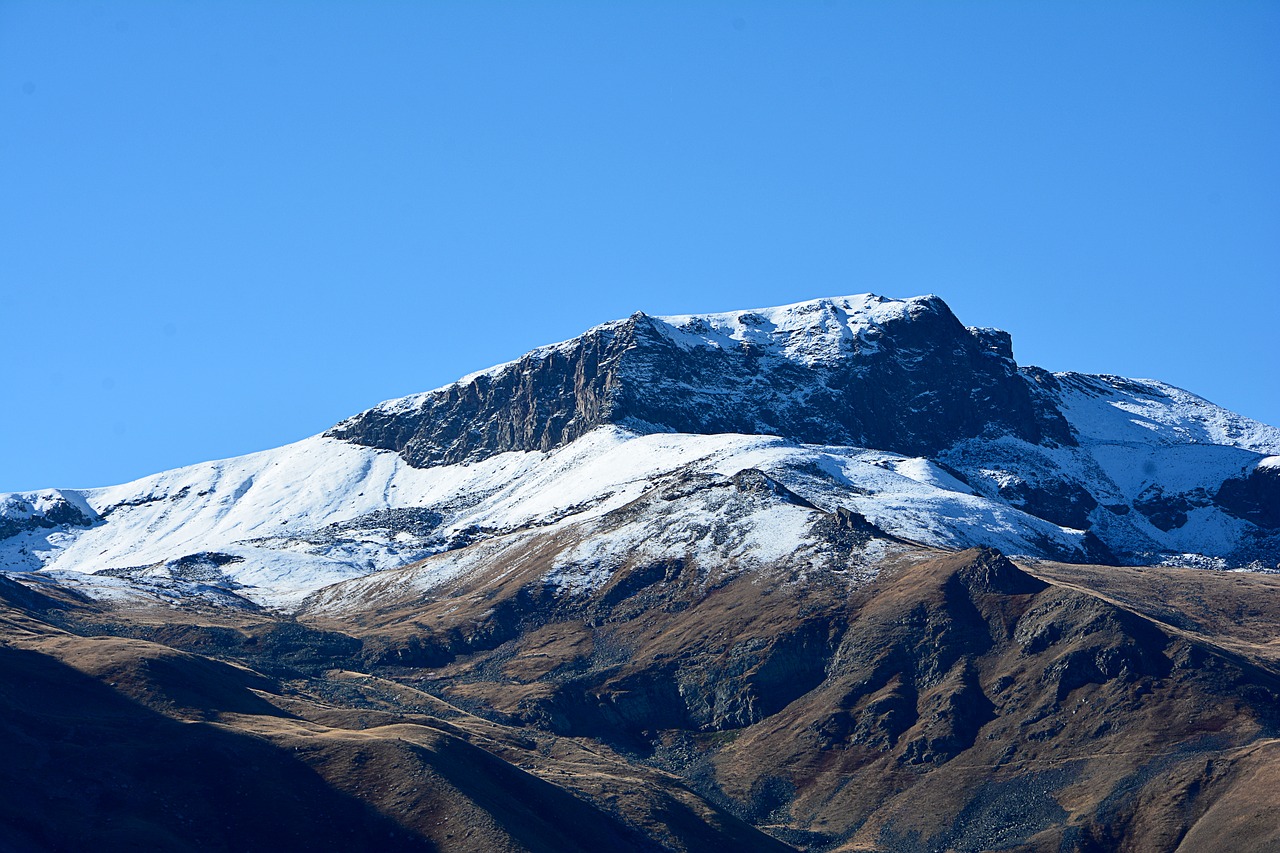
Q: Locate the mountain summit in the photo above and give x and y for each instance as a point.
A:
(890, 409)
(897, 375)
(864, 371)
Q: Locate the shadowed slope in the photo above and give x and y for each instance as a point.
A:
(124, 744)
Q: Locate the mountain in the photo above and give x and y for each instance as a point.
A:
(888, 408)
(833, 576)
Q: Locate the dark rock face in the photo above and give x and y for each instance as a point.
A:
(1254, 498)
(540, 402)
(914, 385)
(1059, 501)
(1168, 511)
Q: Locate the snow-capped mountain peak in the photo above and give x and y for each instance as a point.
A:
(888, 410)
(811, 332)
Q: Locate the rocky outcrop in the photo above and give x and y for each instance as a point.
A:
(41, 511)
(913, 384)
(1254, 497)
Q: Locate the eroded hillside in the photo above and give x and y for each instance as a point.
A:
(954, 701)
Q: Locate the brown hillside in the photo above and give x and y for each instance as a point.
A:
(954, 702)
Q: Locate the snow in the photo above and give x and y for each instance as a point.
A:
(281, 511)
(22, 506)
(1115, 410)
(811, 332)
(930, 474)
(288, 522)
(1135, 437)
(716, 526)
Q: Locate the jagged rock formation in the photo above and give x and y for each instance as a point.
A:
(903, 376)
(862, 371)
(47, 511)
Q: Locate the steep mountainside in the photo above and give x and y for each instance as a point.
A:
(130, 743)
(864, 371)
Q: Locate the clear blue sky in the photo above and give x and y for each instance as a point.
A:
(225, 226)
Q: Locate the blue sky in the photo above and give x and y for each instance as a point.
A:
(226, 226)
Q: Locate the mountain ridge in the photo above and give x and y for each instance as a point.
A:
(816, 395)
(815, 372)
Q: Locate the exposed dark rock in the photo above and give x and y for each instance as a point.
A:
(995, 341)
(950, 718)
(1255, 497)
(1059, 501)
(628, 584)
(925, 383)
(414, 520)
(1098, 552)
(1168, 512)
(847, 529)
(1001, 815)
(755, 481)
(990, 571)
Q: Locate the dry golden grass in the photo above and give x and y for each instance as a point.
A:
(956, 702)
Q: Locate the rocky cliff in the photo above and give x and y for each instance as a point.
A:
(904, 376)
